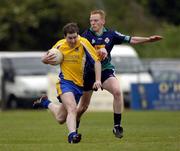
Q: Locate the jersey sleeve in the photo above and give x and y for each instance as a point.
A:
(119, 38)
(90, 51)
(58, 44)
(86, 35)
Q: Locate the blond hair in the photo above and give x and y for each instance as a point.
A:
(100, 12)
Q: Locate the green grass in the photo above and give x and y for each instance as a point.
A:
(38, 131)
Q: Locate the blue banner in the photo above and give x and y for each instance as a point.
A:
(158, 96)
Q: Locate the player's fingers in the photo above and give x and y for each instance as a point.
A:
(51, 56)
(159, 37)
(96, 89)
(104, 56)
(52, 62)
(97, 85)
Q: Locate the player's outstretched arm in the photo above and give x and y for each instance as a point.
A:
(139, 40)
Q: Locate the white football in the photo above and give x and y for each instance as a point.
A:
(59, 56)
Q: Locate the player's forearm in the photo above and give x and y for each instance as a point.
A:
(97, 67)
(139, 40)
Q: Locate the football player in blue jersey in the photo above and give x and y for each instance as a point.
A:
(103, 39)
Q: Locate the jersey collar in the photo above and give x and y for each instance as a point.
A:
(104, 30)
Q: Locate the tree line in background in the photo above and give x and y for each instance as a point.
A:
(37, 24)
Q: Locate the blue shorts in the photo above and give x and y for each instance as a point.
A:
(89, 78)
(64, 86)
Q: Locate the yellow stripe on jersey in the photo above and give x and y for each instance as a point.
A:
(59, 91)
(99, 46)
(72, 67)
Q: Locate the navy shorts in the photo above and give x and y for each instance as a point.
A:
(89, 78)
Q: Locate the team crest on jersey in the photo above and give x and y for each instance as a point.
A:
(107, 40)
(118, 33)
(93, 41)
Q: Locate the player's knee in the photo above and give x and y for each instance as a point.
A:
(61, 119)
(72, 110)
(117, 94)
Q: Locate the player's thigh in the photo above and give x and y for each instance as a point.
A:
(111, 84)
(68, 100)
(85, 99)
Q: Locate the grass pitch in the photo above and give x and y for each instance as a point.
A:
(34, 130)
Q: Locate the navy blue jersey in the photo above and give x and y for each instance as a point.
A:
(107, 40)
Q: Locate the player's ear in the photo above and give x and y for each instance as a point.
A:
(103, 22)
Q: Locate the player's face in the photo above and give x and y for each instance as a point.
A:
(97, 22)
(72, 39)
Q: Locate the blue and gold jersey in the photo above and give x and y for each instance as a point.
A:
(107, 40)
(72, 67)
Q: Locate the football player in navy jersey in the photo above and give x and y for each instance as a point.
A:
(103, 40)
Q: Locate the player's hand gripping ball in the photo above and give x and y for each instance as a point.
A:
(58, 56)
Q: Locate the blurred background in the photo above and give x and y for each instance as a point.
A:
(35, 25)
